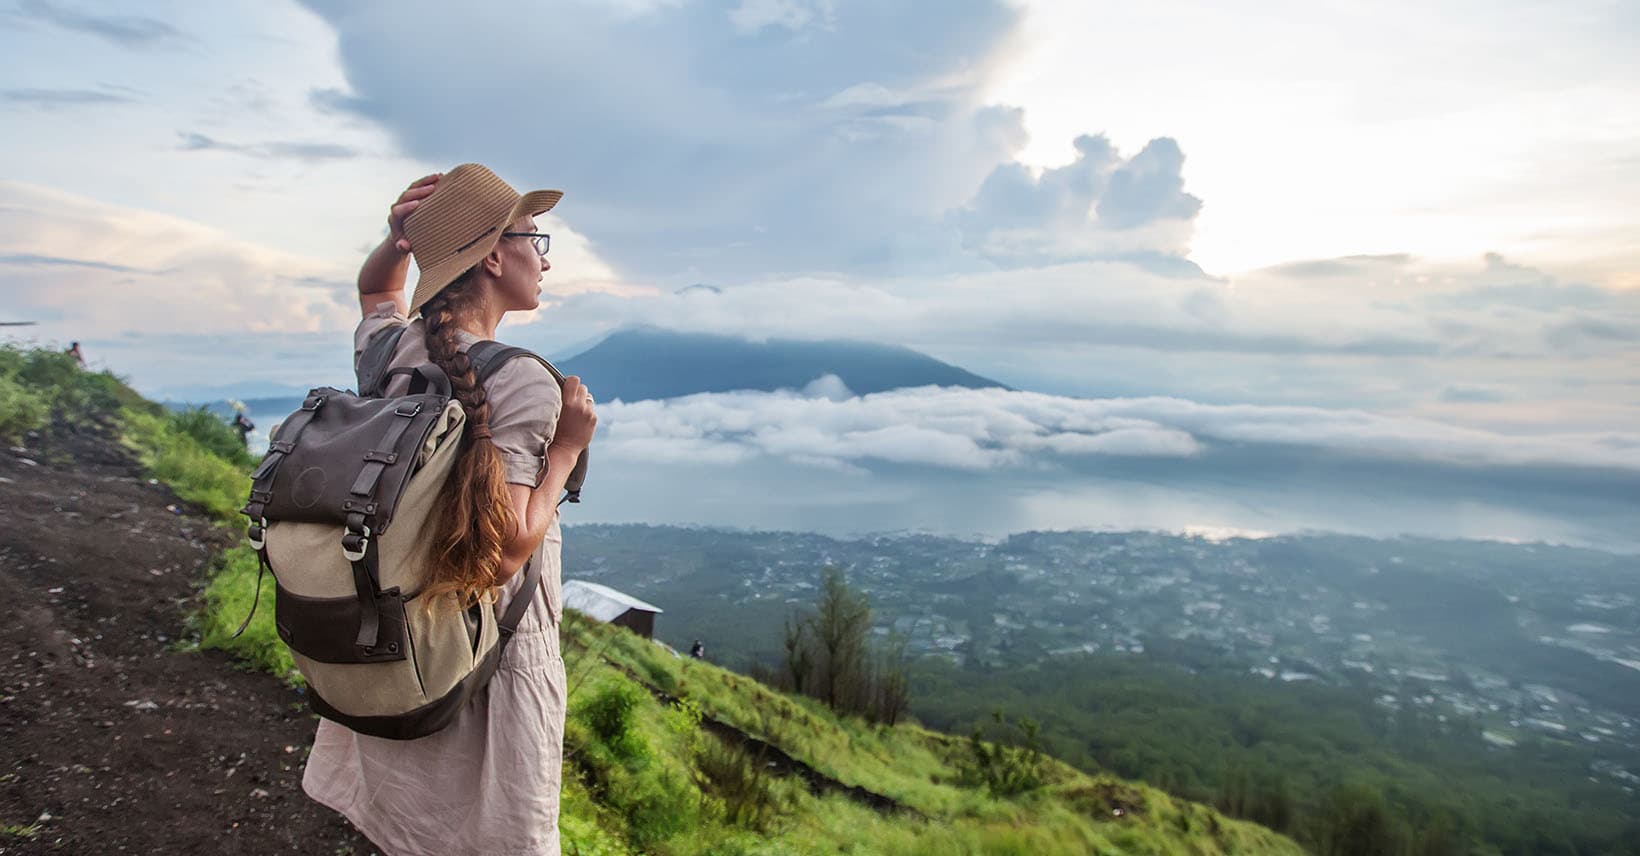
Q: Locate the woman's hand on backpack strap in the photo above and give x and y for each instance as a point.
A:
(578, 418)
(407, 202)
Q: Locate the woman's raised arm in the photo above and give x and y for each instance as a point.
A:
(382, 275)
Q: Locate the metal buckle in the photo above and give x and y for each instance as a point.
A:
(415, 407)
(364, 545)
(316, 402)
(260, 538)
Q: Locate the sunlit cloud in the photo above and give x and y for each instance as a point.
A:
(989, 429)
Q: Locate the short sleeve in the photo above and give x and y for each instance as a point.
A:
(385, 315)
(524, 404)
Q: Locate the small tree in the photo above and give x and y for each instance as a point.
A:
(891, 685)
(1005, 769)
(829, 655)
(840, 626)
(799, 662)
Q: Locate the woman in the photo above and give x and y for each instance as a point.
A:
(488, 783)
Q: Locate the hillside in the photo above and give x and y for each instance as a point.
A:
(664, 755)
(1454, 687)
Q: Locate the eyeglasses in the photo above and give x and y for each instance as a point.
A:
(540, 241)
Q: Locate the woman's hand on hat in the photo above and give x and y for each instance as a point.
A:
(412, 197)
(577, 419)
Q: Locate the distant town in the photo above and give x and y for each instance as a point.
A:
(1509, 640)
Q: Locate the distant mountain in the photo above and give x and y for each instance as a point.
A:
(274, 406)
(647, 363)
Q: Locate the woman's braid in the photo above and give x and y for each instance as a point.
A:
(477, 517)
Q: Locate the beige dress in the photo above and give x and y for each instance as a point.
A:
(488, 784)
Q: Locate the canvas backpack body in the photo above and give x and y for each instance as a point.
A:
(341, 513)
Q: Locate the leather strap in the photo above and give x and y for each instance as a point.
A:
(261, 567)
(520, 604)
(488, 358)
(378, 354)
(378, 460)
(262, 479)
(366, 583)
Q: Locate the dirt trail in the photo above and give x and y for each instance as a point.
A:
(110, 740)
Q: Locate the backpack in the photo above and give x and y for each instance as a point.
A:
(341, 514)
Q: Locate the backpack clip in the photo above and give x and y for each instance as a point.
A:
(257, 534)
(354, 544)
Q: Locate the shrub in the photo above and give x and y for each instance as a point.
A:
(612, 714)
(36, 379)
(683, 720)
(657, 805)
(739, 779)
(583, 837)
(177, 458)
(21, 411)
(1005, 770)
(213, 434)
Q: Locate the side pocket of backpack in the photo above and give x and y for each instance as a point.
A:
(410, 642)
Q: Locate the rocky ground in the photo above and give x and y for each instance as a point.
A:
(114, 736)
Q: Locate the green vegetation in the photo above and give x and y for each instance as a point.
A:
(1005, 769)
(657, 770)
(228, 600)
(27, 832)
(47, 392)
(1187, 715)
(1326, 765)
(177, 449)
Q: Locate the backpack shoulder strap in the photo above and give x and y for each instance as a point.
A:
(378, 354)
(520, 603)
(488, 357)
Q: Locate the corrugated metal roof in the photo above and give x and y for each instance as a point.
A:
(601, 601)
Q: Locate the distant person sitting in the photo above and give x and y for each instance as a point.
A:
(698, 650)
(244, 426)
(74, 351)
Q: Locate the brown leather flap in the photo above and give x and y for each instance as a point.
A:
(351, 441)
(326, 629)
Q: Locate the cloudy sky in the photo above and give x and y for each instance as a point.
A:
(1395, 232)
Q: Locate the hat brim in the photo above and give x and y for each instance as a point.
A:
(432, 280)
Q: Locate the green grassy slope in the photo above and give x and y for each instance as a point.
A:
(669, 755)
(616, 777)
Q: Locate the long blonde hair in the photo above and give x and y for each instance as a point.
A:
(476, 517)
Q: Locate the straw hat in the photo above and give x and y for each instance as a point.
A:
(461, 222)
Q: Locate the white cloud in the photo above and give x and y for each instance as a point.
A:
(989, 429)
(1388, 307)
(112, 269)
(1442, 129)
(1098, 206)
(859, 126)
(829, 387)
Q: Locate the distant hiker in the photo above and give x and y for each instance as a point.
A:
(698, 650)
(244, 426)
(74, 351)
(489, 782)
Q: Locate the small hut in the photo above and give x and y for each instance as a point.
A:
(605, 604)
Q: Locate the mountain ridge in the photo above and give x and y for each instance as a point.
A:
(639, 363)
